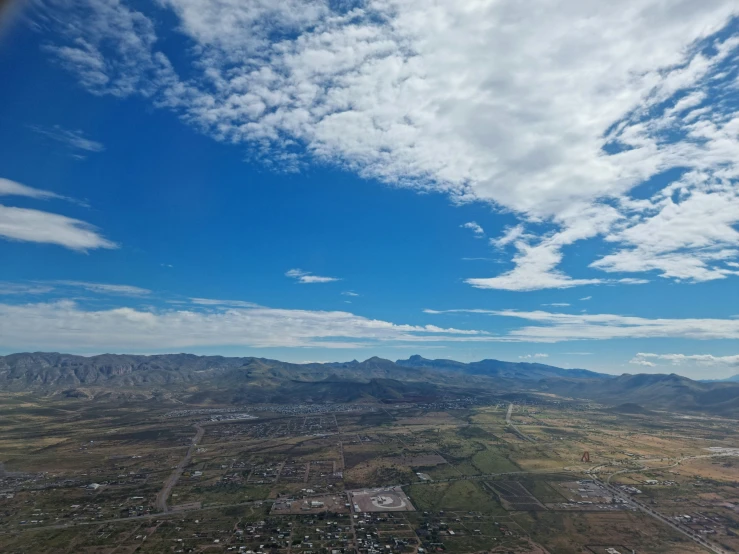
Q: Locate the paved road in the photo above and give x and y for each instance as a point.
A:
(547, 471)
(351, 520)
(516, 429)
(655, 514)
(161, 500)
(616, 492)
(155, 515)
(649, 468)
(664, 519)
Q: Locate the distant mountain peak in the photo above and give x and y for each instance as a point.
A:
(415, 379)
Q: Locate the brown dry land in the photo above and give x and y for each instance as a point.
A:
(82, 476)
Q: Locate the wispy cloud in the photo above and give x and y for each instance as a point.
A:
(215, 302)
(44, 287)
(75, 140)
(509, 236)
(633, 281)
(586, 298)
(530, 356)
(649, 359)
(21, 224)
(11, 188)
(105, 288)
(23, 288)
(475, 228)
(557, 304)
(697, 366)
(645, 363)
(307, 277)
(557, 327)
(349, 293)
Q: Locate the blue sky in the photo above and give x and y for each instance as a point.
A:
(324, 181)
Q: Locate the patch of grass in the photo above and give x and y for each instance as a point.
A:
(469, 543)
(376, 418)
(450, 471)
(493, 460)
(475, 432)
(542, 490)
(457, 496)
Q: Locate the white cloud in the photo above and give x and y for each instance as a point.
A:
(530, 356)
(349, 293)
(685, 239)
(643, 358)
(510, 235)
(535, 269)
(558, 327)
(584, 103)
(23, 224)
(645, 363)
(698, 366)
(475, 228)
(551, 327)
(557, 304)
(11, 188)
(104, 288)
(67, 326)
(632, 281)
(107, 44)
(231, 303)
(536, 265)
(586, 298)
(307, 277)
(688, 101)
(74, 140)
(22, 288)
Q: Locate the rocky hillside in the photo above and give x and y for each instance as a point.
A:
(204, 378)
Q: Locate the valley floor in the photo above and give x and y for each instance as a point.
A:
(82, 476)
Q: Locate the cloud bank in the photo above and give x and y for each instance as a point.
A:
(649, 359)
(66, 325)
(614, 121)
(543, 326)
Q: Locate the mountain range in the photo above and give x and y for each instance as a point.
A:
(204, 379)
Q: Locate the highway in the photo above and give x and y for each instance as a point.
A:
(664, 519)
(154, 515)
(163, 495)
(512, 426)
